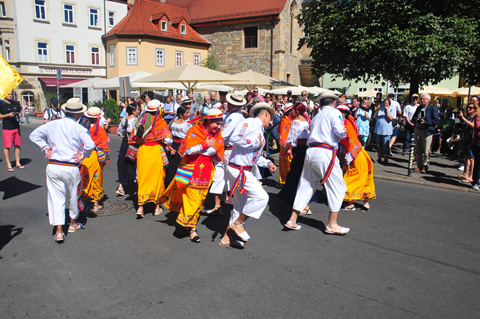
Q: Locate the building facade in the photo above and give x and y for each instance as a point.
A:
(65, 35)
(153, 37)
(253, 35)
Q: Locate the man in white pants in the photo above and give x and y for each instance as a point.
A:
(321, 165)
(232, 118)
(249, 198)
(65, 143)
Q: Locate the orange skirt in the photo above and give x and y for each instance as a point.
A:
(359, 179)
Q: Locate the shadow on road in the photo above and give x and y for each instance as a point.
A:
(7, 233)
(13, 186)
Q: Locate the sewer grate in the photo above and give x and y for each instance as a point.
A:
(111, 208)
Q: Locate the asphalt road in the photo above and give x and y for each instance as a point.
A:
(415, 254)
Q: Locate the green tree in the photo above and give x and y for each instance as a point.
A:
(112, 111)
(397, 40)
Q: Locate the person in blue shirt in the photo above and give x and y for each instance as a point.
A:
(384, 130)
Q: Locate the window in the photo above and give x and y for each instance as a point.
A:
(164, 25)
(178, 58)
(131, 56)
(250, 34)
(27, 98)
(42, 52)
(111, 55)
(95, 53)
(196, 59)
(68, 13)
(159, 57)
(40, 10)
(70, 53)
(93, 22)
(2, 9)
(183, 29)
(7, 54)
(362, 89)
(111, 18)
(378, 89)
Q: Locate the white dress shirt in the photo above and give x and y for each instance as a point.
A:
(248, 141)
(66, 137)
(232, 120)
(327, 127)
(298, 130)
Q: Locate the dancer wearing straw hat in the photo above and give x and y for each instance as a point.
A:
(65, 143)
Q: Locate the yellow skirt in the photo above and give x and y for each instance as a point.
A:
(284, 165)
(185, 201)
(359, 179)
(150, 174)
(92, 178)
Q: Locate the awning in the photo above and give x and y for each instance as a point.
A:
(61, 82)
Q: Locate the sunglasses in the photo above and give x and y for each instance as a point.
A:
(470, 108)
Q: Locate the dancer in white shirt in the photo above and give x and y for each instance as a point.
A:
(249, 198)
(232, 118)
(68, 143)
(321, 165)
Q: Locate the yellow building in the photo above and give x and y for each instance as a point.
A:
(153, 37)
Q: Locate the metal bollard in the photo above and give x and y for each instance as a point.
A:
(411, 155)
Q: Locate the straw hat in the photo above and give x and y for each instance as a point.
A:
(288, 107)
(236, 98)
(218, 105)
(214, 114)
(153, 106)
(186, 100)
(343, 108)
(260, 106)
(93, 112)
(74, 105)
(326, 95)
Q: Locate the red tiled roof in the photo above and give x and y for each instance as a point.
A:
(201, 11)
(143, 20)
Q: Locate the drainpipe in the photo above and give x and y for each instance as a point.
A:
(271, 50)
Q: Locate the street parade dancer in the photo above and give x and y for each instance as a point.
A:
(321, 166)
(92, 166)
(232, 118)
(186, 194)
(285, 158)
(151, 135)
(65, 143)
(249, 198)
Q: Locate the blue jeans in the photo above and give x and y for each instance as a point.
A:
(383, 144)
(408, 136)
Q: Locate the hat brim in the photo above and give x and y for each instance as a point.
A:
(74, 111)
(326, 95)
(235, 102)
(257, 107)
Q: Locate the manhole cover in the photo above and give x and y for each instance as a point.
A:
(111, 208)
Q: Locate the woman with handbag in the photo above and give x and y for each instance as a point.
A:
(476, 147)
(152, 135)
(202, 146)
(126, 167)
(92, 166)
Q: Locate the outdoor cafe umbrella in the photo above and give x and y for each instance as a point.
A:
(114, 83)
(436, 91)
(189, 76)
(88, 83)
(474, 90)
(252, 79)
(368, 93)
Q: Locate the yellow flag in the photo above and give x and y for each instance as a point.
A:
(9, 78)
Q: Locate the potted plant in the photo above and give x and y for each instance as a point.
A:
(112, 112)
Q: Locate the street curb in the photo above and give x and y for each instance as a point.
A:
(407, 180)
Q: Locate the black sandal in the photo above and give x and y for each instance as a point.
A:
(195, 239)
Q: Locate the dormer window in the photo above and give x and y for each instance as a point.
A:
(183, 29)
(164, 25)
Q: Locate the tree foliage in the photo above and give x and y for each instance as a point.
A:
(397, 40)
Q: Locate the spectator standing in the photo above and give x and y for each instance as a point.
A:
(257, 97)
(26, 111)
(409, 125)
(397, 112)
(10, 115)
(425, 119)
(207, 105)
(168, 109)
(384, 130)
(468, 126)
(193, 108)
(178, 103)
(363, 114)
(476, 148)
(53, 112)
(213, 98)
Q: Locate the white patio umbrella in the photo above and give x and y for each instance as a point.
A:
(436, 91)
(474, 90)
(189, 76)
(88, 83)
(113, 83)
(368, 93)
(252, 79)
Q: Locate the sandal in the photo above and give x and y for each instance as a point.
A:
(290, 226)
(20, 166)
(158, 211)
(140, 213)
(237, 243)
(215, 211)
(243, 235)
(120, 191)
(196, 238)
(59, 238)
(96, 208)
(349, 207)
(72, 229)
(10, 169)
(306, 212)
(343, 230)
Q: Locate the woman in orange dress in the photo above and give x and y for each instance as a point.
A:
(151, 135)
(357, 165)
(92, 167)
(284, 158)
(186, 193)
